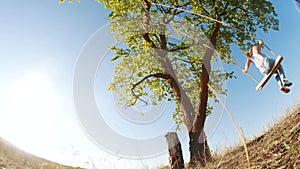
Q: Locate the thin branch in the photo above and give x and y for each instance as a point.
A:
(233, 9)
(186, 61)
(173, 16)
(177, 2)
(180, 48)
(160, 8)
(213, 3)
(176, 11)
(157, 75)
(179, 12)
(207, 13)
(156, 37)
(168, 11)
(224, 11)
(136, 99)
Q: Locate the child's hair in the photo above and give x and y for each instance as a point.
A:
(250, 53)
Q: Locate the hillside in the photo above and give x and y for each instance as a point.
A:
(13, 158)
(278, 148)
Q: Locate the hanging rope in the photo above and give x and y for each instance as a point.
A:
(239, 130)
(241, 69)
(221, 22)
(235, 64)
(271, 50)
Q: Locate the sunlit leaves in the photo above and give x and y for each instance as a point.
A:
(179, 37)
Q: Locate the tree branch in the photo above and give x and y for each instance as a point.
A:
(180, 48)
(136, 99)
(163, 42)
(186, 61)
(224, 11)
(169, 20)
(156, 37)
(147, 24)
(206, 12)
(157, 75)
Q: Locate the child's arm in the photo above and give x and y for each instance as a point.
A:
(247, 65)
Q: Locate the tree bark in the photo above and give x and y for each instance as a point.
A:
(199, 149)
(181, 96)
(175, 152)
(194, 120)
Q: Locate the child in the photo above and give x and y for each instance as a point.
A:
(265, 64)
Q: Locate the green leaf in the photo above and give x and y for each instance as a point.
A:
(174, 45)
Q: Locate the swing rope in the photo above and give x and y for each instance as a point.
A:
(273, 53)
(207, 46)
(221, 22)
(239, 130)
(241, 69)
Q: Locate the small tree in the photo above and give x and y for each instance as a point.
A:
(178, 70)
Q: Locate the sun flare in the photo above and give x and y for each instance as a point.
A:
(27, 118)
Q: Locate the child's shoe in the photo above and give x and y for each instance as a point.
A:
(284, 89)
(287, 83)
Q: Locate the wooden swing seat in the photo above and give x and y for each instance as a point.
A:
(272, 71)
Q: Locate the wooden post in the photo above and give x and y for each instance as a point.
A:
(175, 152)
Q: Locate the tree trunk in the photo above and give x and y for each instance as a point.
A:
(199, 150)
(194, 120)
(198, 142)
(175, 152)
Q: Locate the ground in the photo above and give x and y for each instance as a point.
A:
(13, 158)
(278, 148)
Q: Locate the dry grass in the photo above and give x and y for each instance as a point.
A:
(13, 158)
(278, 148)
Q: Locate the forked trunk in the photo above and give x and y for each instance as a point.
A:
(199, 150)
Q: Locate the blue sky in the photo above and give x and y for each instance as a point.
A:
(40, 44)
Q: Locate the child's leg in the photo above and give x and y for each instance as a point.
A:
(277, 77)
(281, 72)
(285, 82)
(281, 82)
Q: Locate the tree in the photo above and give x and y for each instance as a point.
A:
(153, 63)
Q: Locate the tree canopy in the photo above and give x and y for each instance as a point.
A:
(179, 30)
(166, 49)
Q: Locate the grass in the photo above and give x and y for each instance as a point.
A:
(13, 158)
(277, 148)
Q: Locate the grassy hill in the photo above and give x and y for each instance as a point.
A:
(278, 148)
(13, 158)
